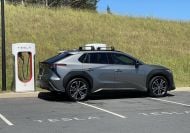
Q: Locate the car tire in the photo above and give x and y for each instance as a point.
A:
(78, 89)
(158, 86)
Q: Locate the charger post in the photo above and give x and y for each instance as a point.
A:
(24, 63)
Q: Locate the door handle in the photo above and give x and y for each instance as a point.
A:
(118, 70)
(89, 69)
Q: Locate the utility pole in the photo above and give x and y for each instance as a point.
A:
(46, 3)
(3, 45)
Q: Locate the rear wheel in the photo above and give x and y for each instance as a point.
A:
(77, 89)
(158, 86)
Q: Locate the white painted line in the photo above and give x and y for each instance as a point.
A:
(187, 105)
(104, 110)
(6, 120)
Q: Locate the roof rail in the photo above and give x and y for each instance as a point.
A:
(92, 48)
(106, 48)
(86, 48)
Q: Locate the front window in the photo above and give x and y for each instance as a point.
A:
(121, 59)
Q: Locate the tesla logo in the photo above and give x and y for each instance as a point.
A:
(24, 47)
(165, 113)
(67, 119)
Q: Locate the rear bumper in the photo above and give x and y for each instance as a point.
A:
(48, 85)
(50, 82)
(44, 85)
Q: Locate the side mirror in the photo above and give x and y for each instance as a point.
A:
(137, 64)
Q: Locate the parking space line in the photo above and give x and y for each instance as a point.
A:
(6, 120)
(187, 105)
(104, 110)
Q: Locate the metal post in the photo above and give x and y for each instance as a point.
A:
(3, 46)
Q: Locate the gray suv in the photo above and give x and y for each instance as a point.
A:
(84, 71)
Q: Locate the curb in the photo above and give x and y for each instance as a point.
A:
(36, 93)
(182, 89)
(19, 94)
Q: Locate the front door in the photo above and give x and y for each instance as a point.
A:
(126, 75)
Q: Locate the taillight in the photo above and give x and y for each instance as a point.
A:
(60, 64)
(55, 65)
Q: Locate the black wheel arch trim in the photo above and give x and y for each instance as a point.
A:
(77, 74)
(160, 72)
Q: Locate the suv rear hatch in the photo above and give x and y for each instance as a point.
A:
(48, 66)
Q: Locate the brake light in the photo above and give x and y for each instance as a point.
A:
(55, 65)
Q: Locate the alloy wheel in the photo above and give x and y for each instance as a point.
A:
(78, 90)
(159, 86)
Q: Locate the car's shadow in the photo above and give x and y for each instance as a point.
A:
(50, 96)
(103, 95)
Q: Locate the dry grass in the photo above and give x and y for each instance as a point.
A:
(153, 41)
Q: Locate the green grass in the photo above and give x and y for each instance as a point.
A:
(153, 41)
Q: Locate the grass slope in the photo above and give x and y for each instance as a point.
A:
(153, 41)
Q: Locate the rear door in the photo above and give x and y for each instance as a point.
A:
(98, 67)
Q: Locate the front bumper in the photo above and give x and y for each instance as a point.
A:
(171, 82)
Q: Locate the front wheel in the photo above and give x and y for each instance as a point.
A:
(77, 89)
(158, 86)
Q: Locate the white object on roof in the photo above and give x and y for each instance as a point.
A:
(96, 46)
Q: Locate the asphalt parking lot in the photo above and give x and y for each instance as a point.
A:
(105, 112)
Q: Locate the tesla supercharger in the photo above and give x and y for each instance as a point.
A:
(24, 77)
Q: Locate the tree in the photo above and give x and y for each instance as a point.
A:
(84, 4)
(77, 4)
(108, 10)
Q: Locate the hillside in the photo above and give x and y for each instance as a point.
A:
(151, 40)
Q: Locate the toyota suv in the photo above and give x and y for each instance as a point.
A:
(96, 67)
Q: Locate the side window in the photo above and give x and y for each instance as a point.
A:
(85, 58)
(121, 59)
(82, 58)
(98, 58)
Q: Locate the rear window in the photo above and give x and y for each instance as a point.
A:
(98, 58)
(57, 58)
